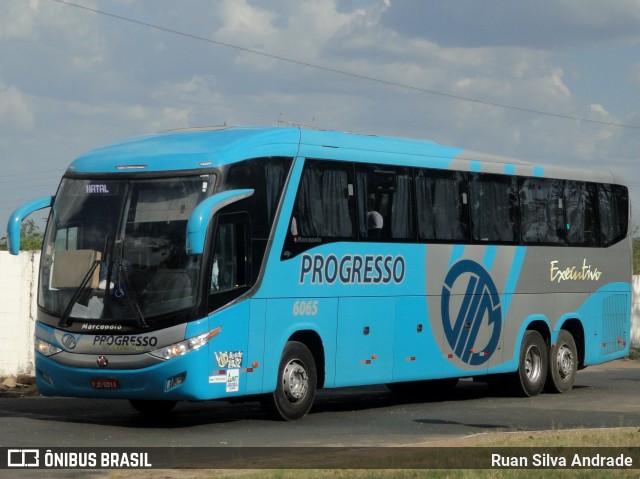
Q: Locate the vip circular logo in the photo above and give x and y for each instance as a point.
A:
(69, 341)
(473, 320)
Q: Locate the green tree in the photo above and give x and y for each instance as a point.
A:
(30, 237)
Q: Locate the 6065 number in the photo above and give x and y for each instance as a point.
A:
(305, 308)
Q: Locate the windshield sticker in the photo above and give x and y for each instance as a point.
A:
(97, 189)
(585, 272)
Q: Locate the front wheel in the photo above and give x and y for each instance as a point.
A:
(530, 378)
(563, 364)
(296, 387)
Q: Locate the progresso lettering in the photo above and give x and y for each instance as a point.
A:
(139, 341)
(352, 269)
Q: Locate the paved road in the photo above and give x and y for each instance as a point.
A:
(604, 396)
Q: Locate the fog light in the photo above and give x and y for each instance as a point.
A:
(45, 377)
(175, 381)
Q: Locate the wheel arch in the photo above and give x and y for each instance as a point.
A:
(574, 326)
(541, 325)
(312, 340)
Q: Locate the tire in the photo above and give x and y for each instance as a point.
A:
(296, 386)
(151, 408)
(531, 376)
(563, 364)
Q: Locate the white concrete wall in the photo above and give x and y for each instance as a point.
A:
(18, 304)
(635, 313)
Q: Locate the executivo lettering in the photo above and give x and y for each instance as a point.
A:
(586, 272)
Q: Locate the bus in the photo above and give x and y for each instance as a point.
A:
(267, 263)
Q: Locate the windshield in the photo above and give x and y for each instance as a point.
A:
(115, 249)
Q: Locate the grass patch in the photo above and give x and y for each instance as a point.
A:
(600, 438)
(634, 354)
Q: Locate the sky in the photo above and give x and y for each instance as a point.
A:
(551, 81)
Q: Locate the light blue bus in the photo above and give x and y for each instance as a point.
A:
(271, 262)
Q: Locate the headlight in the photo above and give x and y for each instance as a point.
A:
(45, 348)
(186, 346)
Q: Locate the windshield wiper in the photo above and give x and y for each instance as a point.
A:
(66, 316)
(123, 279)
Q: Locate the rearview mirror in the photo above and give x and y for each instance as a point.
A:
(15, 221)
(202, 214)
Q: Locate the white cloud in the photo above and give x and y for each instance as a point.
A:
(16, 114)
(194, 90)
(555, 83)
(597, 108)
(296, 30)
(39, 19)
(167, 119)
(18, 20)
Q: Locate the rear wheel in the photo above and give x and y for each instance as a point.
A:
(296, 387)
(563, 364)
(530, 378)
(148, 407)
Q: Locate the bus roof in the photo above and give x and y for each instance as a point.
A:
(201, 148)
(189, 149)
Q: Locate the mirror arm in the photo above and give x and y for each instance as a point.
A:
(16, 218)
(202, 214)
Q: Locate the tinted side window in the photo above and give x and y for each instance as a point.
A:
(614, 213)
(494, 208)
(231, 260)
(441, 205)
(542, 211)
(266, 176)
(385, 203)
(582, 228)
(324, 205)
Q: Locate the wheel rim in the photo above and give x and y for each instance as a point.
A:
(295, 381)
(533, 364)
(565, 361)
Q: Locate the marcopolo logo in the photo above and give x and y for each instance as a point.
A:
(474, 330)
(69, 341)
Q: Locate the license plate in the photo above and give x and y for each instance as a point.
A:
(104, 383)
